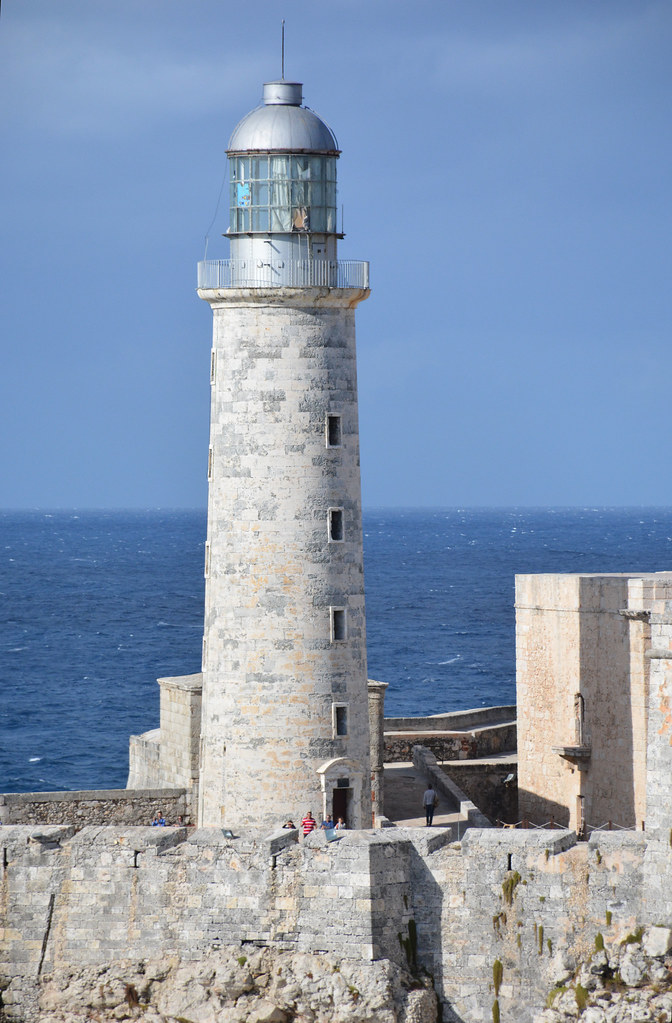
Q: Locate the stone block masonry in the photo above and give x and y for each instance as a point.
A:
(531, 901)
(119, 807)
(284, 724)
(583, 695)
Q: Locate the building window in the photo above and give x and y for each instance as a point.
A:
(213, 365)
(211, 458)
(207, 559)
(338, 624)
(334, 431)
(336, 529)
(339, 719)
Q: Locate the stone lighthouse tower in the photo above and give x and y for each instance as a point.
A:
(284, 724)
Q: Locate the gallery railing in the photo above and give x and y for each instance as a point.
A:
(289, 273)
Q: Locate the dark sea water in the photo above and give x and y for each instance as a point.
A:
(96, 605)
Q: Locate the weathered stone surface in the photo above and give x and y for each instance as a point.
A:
(235, 984)
(116, 807)
(657, 941)
(583, 687)
(635, 988)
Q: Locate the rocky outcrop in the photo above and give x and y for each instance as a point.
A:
(229, 985)
(628, 982)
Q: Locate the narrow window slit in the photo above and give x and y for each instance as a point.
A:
(334, 431)
(340, 719)
(338, 625)
(336, 528)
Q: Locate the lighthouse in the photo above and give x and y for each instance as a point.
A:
(284, 717)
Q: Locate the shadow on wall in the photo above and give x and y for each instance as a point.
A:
(555, 814)
(422, 946)
(493, 789)
(605, 789)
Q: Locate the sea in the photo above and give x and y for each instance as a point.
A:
(96, 605)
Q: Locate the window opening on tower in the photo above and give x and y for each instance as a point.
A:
(340, 720)
(334, 431)
(336, 528)
(338, 624)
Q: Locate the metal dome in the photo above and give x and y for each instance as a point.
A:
(281, 124)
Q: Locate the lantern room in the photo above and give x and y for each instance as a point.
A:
(282, 192)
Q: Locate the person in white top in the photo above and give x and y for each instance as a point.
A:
(429, 801)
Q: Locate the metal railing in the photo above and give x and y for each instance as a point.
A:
(552, 824)
(288, 273)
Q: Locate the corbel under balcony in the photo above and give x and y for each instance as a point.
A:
(634, 615)
(579, 755)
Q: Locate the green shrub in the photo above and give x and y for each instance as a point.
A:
(581, 996)
(497, 973)
(509, 886)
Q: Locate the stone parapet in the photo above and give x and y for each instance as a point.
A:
(455, 721)
(119, 807)
(532, 900)
(479, 742)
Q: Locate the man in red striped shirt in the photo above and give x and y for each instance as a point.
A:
(308, 824)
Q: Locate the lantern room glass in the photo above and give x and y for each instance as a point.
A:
(287, 194)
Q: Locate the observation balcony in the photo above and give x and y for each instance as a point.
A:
(287, 273)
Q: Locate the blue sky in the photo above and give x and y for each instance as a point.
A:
(505, 169)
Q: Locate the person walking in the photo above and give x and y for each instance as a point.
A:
(429, 801)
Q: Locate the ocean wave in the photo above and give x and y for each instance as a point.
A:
(178, 625)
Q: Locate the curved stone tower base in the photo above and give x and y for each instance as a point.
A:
(285, 718)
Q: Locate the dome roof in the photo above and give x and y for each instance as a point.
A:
(282, 124)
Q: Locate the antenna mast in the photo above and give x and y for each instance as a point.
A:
(283, 48)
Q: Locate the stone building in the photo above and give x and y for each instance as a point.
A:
(278, 721)
(583, 665)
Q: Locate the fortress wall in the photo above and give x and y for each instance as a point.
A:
(119, 807)
(480, 742)
(534, 901)
(456, 721)
(181, 698)
(658, 861)
(535, 918)
(583, 678)
(486, 785)
(580, 686)
(144, 752)
(100, 894)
